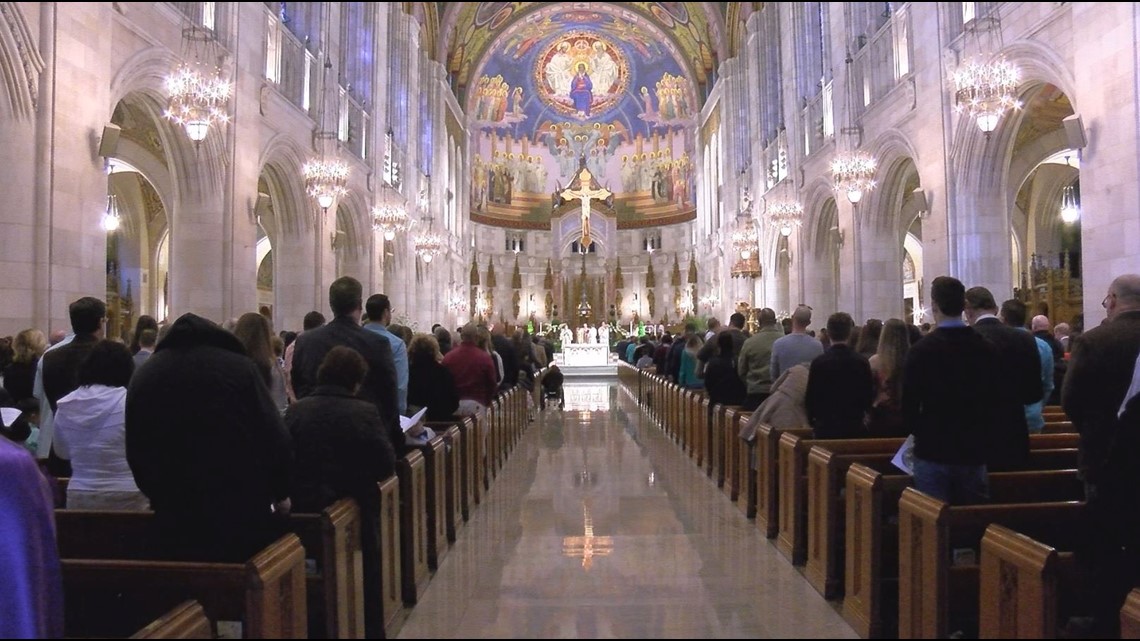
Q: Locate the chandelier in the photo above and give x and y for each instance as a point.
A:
(1070, 208)
(457, 304)
(709, 301)
(984, 91)
(854, 174)
(785, 215)
(745, 239)
(198, 95)
(429, 244)
(326, 180)
(390, 218)
(685, 304)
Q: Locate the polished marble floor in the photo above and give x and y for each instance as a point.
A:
(599, 527)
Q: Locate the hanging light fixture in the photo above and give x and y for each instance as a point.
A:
(428, 243)
(326, 178)
(984, 91)
(853, 174)
(111, 219)
(198, 94)
(985, 85)
(390, 218)
(785, 215)
(1070, 208)
(746, 238)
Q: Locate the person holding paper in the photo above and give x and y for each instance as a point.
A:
(342, 450)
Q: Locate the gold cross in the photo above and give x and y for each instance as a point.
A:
(589, 545)
(586, 194)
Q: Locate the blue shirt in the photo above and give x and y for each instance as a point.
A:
(1033, 415)
(400, 358)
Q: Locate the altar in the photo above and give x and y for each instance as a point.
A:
(585, 355)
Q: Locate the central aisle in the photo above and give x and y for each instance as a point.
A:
(600, 527)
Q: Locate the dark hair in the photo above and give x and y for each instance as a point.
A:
(343, 367)
(424, 348)
(869, 337)
(1013, 313)
(108, 363)
(148, 337)
(144, 323)
(736, 320)
(434, 326)
(915, 333)
(767, 316)
(839, 326)
(980, 298)
(376, 306)
(345, 295)
(314, 319)
(949, 294)
(288, 337)
(253, 331)
(87, 315)
(786, 324)
(725, 343)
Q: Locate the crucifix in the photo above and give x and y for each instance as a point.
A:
(586, 193)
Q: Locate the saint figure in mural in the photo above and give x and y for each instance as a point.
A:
(582, 92)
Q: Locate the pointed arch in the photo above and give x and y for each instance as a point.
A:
(20, 63)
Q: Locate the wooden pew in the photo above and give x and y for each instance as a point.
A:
(870, 576)
(745, 473)
(391, 570)
(792, 488)
(187, 620)
(435, 458)
(1029, 588)
(767, 474)
(115, 597)
(454, 457)
(730, 437)
(827, 467)
(412, 472)
(936, 595)
(331, 540)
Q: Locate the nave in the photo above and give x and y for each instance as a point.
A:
(599, 526)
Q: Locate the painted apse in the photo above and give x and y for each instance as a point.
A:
(564, 88)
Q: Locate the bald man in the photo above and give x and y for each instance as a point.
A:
(1100, 372)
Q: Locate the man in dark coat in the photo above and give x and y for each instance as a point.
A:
(840, 386)
(61, 365)
(346, 299)
(1019, 380)
(506, 351)
(207, 445)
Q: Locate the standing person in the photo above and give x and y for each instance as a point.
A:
(1043, 330)
(796, 347)
(144, 323)
(147, 340)
(474, 372)
(755, 362)
(673, 364)
(255, 335)
(430, 384)
(90, 432)
(346, 300)
(687, 373)
(1019, 382)
(343, 451)
(1013, 315)
(721, 380)
(312, 320)
(207, 445)
(1100, 371)
(20, 375)
(735, 329)
(885, 419)
(443, 337)
(506, 351)
(379, 310)
(950, 401)
(840, 387)
(59, 367)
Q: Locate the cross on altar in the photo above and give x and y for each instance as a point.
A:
(586, 194)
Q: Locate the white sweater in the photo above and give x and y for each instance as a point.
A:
(90, 431)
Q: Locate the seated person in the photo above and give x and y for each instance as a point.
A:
(342, 450)
(90, 431)
(552, 387)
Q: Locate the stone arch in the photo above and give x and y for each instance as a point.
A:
(354, 219)
(281, 165)
(20, 65)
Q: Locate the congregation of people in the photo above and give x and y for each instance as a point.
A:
(223, 430)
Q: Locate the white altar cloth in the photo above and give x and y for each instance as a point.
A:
(579, 355)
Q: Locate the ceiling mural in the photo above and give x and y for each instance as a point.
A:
(565, 88)
(469, 28)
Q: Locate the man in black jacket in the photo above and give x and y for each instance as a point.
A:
(1019, 380)
(61, 365)
(346, 299)
(506, 351)
(207, 445)
(950, 402)
(840, 387)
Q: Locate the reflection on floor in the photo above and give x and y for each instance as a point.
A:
(599, 527)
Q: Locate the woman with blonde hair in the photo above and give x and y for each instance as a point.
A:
(256, 336)
(430, 384)
(485, 343)
(885, 416)
(20, 375)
